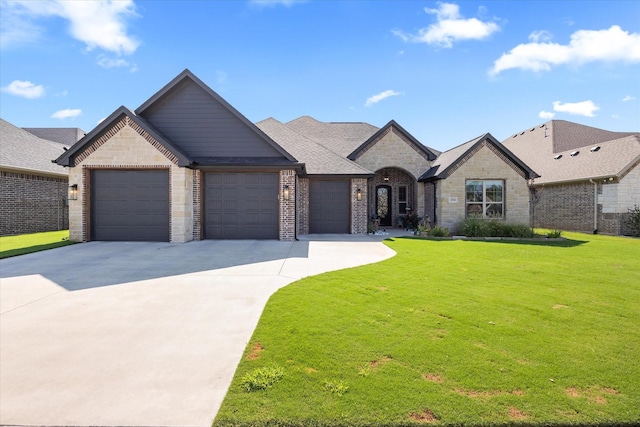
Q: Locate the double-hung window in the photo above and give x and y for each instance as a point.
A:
(485, 198)
(402, 199)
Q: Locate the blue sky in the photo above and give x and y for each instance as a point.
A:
(445, 71)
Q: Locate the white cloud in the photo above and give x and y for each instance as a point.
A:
(585, 46)
(379, 97)
(450, 27)
(584, 108)
(628, 98)
(98, 24)
(540, 36)
(547, 115)
(24, 89)
(67, 114)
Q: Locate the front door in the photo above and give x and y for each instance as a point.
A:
(383, 205)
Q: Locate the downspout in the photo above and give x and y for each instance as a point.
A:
(595, 206)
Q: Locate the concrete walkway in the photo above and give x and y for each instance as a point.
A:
(143, 334)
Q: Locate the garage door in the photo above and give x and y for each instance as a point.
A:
(329, 210)
(130, 205)
(241, 206)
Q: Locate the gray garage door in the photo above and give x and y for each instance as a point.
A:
(241, 205)
(130, 205)
(329, 210)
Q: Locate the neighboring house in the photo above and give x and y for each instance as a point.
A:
(33, 189)
(590, 177)
(186, 165)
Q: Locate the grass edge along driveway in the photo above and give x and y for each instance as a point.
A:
(27, 243)
(452, 333)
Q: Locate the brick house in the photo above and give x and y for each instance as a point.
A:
(186, 165)
(33, 190)
(589, 177)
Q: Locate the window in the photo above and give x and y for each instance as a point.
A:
(485, 198)
(402, 199)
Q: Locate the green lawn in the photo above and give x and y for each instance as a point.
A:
(450, 333)
(27, 243)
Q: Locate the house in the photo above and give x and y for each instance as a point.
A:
(65, 136)
(590, 177)
(33, 190)
(186, 165)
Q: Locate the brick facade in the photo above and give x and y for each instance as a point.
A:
(31, 203)
(359, 217)
(287, 214)
(396, 178)
(302, 205)
(483, 163)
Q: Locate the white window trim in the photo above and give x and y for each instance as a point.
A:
(485, 202)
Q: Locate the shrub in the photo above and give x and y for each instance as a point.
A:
(633, 221)
(472, 227)
(262, 378)
(438, 231)
(482, 228)
(554, 234)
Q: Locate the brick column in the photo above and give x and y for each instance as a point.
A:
(358, 207)
(287, 218)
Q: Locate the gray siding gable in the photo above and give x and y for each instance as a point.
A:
(205, 126)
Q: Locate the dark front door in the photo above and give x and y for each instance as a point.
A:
(130, 205)
(329, 210)
(241, 205)
(383, 205)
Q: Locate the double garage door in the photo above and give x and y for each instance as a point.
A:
(133, 205)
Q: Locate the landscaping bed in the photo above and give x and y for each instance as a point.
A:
(452, 332)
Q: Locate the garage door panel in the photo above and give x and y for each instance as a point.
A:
(241, 205)
(130, 205)
(329, 209)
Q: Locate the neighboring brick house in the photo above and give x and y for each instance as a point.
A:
(33, 189)
(590, 177)
(186, 165)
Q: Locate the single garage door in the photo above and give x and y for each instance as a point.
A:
(329, 210)
(241, 205)
(130, 205)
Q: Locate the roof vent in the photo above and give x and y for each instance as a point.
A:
(543, 125)
(522, 133)
(532, 129)
(594, 149)
(559, 156)
(574, 153)
(515, 135)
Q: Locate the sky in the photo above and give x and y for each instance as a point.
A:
(447, 72)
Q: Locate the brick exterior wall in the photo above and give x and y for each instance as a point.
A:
(31, 203)
(302, 204)
(197, 205)
(484, 163)
(397, 177)
(570, 206)
(287, 205)
(127, 146)
(359, 215)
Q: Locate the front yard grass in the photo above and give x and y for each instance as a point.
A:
(464, 333)
(27, 243)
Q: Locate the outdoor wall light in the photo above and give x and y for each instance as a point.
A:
(73, 192)
(358, 194)
(285, 192)
(386, 178)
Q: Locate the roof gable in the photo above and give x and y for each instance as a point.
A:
(23, 151)
(204, 125)
(426, 152)
(452, 159)
(68, 158)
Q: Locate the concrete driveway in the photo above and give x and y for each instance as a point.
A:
(143, 334)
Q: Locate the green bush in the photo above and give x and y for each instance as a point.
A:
(634, 221)
(472, 227)
(438, 231)
(554, 234)
(262, 378)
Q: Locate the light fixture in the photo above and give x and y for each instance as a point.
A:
(386, 178)
(73, 192)
(358, 194)
(285, 192)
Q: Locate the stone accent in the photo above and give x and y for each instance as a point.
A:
(393, 150)
(483, 163)
(126, 148)
(287, 206)
(31, 203)
(302, 203)
(359, 215)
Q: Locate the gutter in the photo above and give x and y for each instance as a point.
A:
(595, 206)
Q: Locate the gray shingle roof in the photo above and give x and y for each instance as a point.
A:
(447, 160)
(66, 136)
(539, 146)
(340, 137)
(23, 151)
(318, 159)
